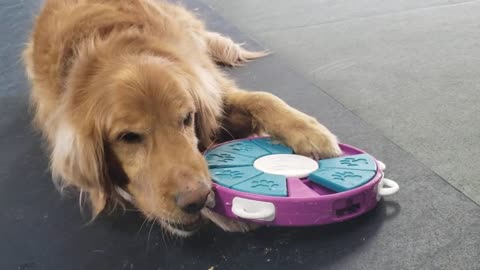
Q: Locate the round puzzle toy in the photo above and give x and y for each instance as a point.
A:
(264, 182)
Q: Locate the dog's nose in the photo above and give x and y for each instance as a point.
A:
(193, 201)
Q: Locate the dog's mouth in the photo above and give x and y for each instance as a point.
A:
(192, 226)
(183, 229)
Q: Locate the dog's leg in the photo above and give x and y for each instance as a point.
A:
(224, 50)
(257, 112)
(263, 112)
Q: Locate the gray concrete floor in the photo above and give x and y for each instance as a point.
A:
(427, 225)
(409, 68)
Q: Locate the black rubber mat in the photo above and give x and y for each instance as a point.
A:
(427, 225)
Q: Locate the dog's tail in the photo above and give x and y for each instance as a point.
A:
(225, 51)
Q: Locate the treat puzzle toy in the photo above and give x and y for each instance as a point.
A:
(259, 180)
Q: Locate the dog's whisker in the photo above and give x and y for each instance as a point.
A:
(150, 232)
(132, 210)
(81, 201)
(169, 233)
(163, 237)
(141, 226)
(210, 145)
(228, 132)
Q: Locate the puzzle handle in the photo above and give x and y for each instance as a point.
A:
(251, 209)
(392, 187)
(381, 165)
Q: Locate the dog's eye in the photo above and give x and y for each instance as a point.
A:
(130, 137)
(188, 120)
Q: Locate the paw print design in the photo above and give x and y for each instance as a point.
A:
(353, 162)
(230, 174)
(342, 176)
(241, 147)
(224, 157)
(264, 184)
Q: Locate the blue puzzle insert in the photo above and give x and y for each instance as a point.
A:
(229, 177)
(356, 162)
(250, 180)
(244, 148)
(221, 159)
(341, 179)
(264, 184)
(344, 173)
(231, 165)
(272, 147)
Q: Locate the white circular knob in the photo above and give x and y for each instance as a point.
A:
(289, 165)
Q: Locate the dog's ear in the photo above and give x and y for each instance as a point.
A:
(208, 99)
(205, 122)
(78, 159)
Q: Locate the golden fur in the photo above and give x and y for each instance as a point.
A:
(126, 93)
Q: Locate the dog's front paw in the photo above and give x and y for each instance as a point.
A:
(311, 139)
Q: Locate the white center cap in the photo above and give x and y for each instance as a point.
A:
(289, 165)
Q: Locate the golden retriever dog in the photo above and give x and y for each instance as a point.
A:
(127, 94)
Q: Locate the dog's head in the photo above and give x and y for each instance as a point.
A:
(131, 128)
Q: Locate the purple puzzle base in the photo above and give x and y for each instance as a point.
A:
(308, 203)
